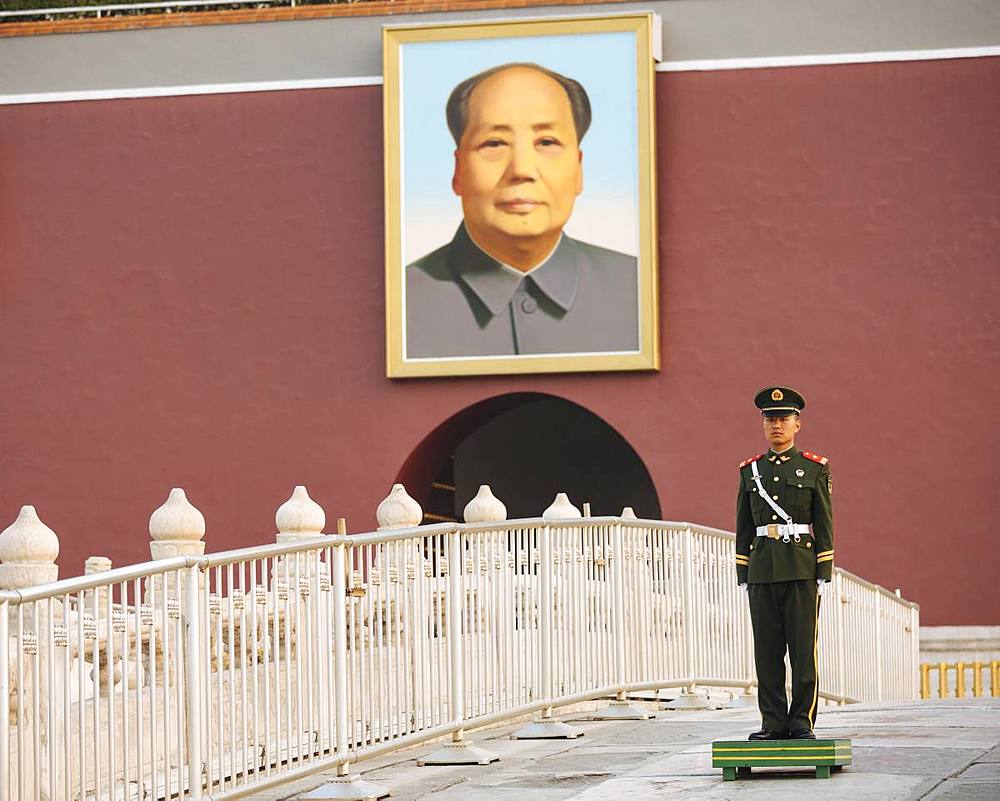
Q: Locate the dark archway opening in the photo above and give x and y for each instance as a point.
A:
(527, 446)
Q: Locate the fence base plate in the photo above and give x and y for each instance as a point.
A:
(663, 695)
(459, 753)
(742, 701)
(689, 700)
(621, 710)
(546, 729)
(346, 788)
(737, 757)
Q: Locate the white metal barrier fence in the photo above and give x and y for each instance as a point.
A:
(224, 674)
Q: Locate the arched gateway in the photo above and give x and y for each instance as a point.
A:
(527, 446)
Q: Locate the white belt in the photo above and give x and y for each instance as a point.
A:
(783, 531)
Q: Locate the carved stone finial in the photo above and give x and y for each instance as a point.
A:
(485, 507)
(398, 510)
(561, 509)
(628, 514)
(28, 551)
(300, 516)
(176, 528)
(96, 564)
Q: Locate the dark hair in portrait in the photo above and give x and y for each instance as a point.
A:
(457, 109)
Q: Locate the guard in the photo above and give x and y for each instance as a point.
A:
(784, 554)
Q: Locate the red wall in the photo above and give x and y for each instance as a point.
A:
(191, 295)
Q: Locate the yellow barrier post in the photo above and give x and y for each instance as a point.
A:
(960, 680)
(995, 678)
(942, 679)
(977, 679)
(925, 681)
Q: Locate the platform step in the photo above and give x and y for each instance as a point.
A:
(738, 756)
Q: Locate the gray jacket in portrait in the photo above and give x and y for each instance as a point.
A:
(461, 302)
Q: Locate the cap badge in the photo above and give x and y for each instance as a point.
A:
(800, 473)
(777, 395)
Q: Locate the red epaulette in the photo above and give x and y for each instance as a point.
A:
(751, 460)
(815, 457)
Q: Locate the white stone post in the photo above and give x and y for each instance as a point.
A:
(398, 510)
(548, 727)
(690, 697)
(93, 565)
(176, 529)
(484, 508)
(624, 592)
(95, 603)
(395, 563)
(297, 519)
(28, 553)
(561, 509)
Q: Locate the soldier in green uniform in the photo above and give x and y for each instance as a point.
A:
(784, 554)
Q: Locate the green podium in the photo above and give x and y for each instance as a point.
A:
(737, 757)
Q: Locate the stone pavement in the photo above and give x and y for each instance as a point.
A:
(944, 750)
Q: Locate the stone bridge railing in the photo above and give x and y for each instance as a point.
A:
(218, 675)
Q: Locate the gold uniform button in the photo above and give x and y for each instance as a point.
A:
(775, 497)
(774, 517)
(808, 545)
(775, 478)
(751, 547)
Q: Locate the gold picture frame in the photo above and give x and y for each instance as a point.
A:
(432, 315)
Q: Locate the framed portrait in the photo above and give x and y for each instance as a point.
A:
(520, 196)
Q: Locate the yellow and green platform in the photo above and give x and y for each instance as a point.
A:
(737, 757)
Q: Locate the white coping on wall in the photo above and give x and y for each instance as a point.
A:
(951, 644)
(701, 65)
(764, 62)
(195, 89)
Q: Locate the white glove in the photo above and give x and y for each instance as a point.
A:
(819, 586)
(745, 588)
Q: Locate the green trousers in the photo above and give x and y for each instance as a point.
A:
(784, 616)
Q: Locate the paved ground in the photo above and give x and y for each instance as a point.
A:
(934, 750)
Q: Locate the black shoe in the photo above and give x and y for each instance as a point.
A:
(767, 734)
(801, 734)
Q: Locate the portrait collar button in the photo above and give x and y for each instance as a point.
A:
(529, 305)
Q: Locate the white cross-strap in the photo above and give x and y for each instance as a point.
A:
(760, 491)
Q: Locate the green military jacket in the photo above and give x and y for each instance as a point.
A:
(799, 482)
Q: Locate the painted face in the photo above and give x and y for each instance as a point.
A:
(780, 431)
(518, 166)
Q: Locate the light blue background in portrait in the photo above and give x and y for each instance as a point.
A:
(606, 212)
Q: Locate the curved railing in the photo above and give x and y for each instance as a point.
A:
(224, 674)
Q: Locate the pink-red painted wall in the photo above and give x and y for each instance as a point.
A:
(191, 295)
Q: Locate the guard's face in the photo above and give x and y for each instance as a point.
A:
(518, 167)
(780, 431)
